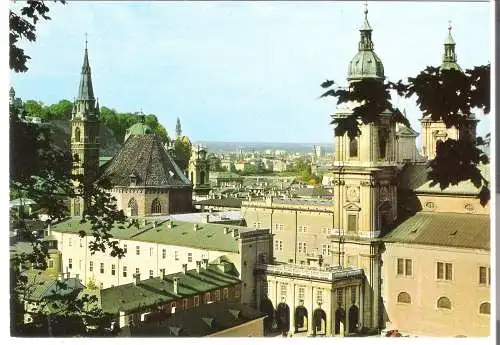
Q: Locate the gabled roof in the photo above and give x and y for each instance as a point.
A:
(199, 322)
(444, 229)
(145, 158)
(42, 286)
(157, 291)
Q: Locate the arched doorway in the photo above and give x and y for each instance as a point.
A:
(339, 319)
(283, 317)
(319, 322)
(301, 319)
(266, 306)
(353, 319)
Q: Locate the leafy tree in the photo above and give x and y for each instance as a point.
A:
(445, 95)
(182, 151)
(61, 110)
(42, 172)
(35, 109)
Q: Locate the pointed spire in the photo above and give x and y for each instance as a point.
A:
(178, 129)
(449, 56)
(85, 91)
(366, 26)
(97, 109)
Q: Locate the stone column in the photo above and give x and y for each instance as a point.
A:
(361, 306)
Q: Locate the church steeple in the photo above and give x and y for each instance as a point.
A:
(449, 56)
(85, 103)
(178, 129)
(365, 64)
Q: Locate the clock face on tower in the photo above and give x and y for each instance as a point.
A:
(353, 193)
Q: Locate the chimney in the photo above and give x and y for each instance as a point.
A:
(205, 218)
(170, 225)
(60, 277)
(163, 274)
(205, 263)
(184, 268)
(198, 266)
(137, 277)
(195, 227)
(77, 276)
(176, 285)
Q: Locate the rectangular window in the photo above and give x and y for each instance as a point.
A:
(70, 242)
(124, 271)
(276, 245)
(408, 267)
(352, 223)
(125, 248)
(237, 291)
(225, 294)
(113, 270)
(151, 251)
(176, 255)
(185, 303)
(217, 295)
(319, 296)
(162, 272)
(405, 267)
(283, 289)
(196, 301)
(206, 298)
(81, 243)
(91, 266)
(300, 247)
(340, 297)
(326, 250)
(275, 227)
(353, 294)
(190, 257)
(137, 250)
(301, 293)
(401, 267)
(281, 246)
(151, 274)
(70, 263)
(51, 264)
(101, 268)
(164, 254)
(444, 271)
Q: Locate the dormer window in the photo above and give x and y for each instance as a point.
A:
(133, 179)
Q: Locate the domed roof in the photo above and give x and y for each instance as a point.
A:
(139, 128)
(365, 64)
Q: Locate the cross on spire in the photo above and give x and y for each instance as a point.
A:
(366, 9)
(86, 41)
(449, 26)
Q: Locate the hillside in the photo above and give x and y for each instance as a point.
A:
(109, 145)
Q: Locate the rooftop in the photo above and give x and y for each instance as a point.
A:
(207, 235)
(157, 291)
(444, 229)
(198, 322)
(311, 272)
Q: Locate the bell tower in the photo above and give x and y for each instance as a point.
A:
(365, 166)
(199, 171)
(434, 131)
(84, 137)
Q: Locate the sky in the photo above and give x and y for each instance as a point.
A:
(246, 71)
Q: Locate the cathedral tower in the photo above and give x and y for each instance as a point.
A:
(434, 131)
(199, 171)
(84, 135)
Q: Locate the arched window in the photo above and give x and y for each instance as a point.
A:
(444, 303)
(77, 134)
(353, 148)
(156, 206)
(202, 177)
(404, 297)
(132, 205)
(484, 308)
(383, 135)
(191, 177)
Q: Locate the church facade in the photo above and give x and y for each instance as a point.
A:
(145, 178)
(389, 251)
